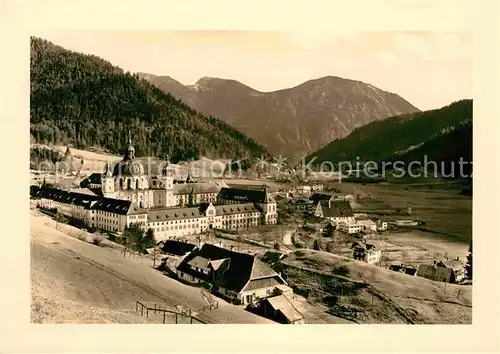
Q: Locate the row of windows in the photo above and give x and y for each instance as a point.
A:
(242, 222)
(176, 227)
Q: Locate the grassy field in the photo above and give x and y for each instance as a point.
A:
(447, 214)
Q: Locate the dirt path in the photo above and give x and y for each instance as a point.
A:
(83, 277)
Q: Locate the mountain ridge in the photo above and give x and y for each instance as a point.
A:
(292, 121)
(441, 135)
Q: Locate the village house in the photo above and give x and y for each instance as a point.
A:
(381, 225)
(444, 271)
(280, 309)
(367, 225)
(318, 197)
(349, 228)
(240, 277)
(457, 266)
(317, 187)
(271, 258)
(366, 252)
(316, 223)
(176, 248)
(301, 205)
(305, 189)
(335, 210)
(403, 269)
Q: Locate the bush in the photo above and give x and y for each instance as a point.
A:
(302, 292)
(342, 271)
(96, 239)
(277, 246)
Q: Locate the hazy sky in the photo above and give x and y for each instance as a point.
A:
(429, 69)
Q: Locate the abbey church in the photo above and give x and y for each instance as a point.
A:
(126, 195)
(128, 181)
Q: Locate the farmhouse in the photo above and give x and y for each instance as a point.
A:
(365, 252)
(443, 271)
(433, 272)
(240, 277)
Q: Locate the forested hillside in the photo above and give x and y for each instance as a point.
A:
(87, 102)
(443, 135)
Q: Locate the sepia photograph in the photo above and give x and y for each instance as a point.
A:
(296, 175)
(205, 177)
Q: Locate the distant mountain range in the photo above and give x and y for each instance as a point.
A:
(442, 135)
(85, 101)
(293, 122)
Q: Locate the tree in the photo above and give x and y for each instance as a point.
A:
(155, 253)
(149, 238)
(135, 239)
(329, 247)
(277, 246)
(468, 265)
(316, 245)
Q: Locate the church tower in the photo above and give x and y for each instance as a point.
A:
(167, 184)
(269, 206)
(108, 182)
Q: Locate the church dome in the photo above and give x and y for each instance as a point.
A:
(128, 168)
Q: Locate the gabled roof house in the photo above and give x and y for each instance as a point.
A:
(240, 277)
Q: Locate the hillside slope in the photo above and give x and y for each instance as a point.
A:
(443, 134)
(371, 294)
(295, 121)
(77, 282)
(85, 101)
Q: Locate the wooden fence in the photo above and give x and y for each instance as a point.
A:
(145, 310)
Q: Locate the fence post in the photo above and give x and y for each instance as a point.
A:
(147, 312)
(142, 310)
(164, 317)
(176, 318)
